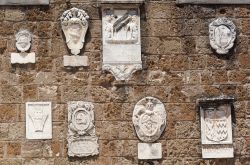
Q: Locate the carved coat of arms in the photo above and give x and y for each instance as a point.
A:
(149, 119)
(216, 128)
(121, 41)
(222, 35)
(82, 140)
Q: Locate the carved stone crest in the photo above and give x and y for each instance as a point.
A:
(82, 140)
(216, 127)
(149, 119)
(75, 25)
(38, 120)
(121, 41)
(222, 35)
(23, 44)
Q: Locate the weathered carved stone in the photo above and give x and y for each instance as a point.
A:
(121, 41)
(82, 140)
(75, 25)
(216, 127)
(38, 120)
(149, 119)
(23, 44)
(222, 35)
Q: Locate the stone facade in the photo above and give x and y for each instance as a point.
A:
(179, 66)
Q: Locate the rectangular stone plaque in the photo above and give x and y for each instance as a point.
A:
(217, 151)
(216, 127)
(38, 120)
(149, 151)
(213, 1)
(18, 58)
(75, 61)
(24, 2)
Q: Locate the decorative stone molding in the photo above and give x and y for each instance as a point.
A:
(38, 120)
(121, 40)
(24, 2)
(149, 119)
(23, 44)
(122, 72)
(75, 25)
(82, 140)
(213, 1)
(216, 127)
(222, 34)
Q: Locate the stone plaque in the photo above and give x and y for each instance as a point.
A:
(121, 41)
(24, 2)
(216, 127)
(23, 44)
(82, 140)
(149, 119)
(149, 151)
(38, 120)
(213, 1)
(222, 34)
(75, 25)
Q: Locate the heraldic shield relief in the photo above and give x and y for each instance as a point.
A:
(222, 35)
(82, 140)
(216, 128)
(149, 119)
(216, 123)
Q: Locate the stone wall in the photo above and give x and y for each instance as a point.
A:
(178, 67)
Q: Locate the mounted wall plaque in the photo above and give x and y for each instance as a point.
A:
(75, 25)
(121, 38)
(149, 119)
(23, 44)
(222, 34)
(24, 2)
(82, 140)
(38, 120)
(213, 1)
(216, 127)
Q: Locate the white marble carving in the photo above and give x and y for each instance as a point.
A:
(75, 25)
(23, 44)
(38, 120)
(149, 151)
(216, 128)
(222, 35)
(149, 119)
(82, 140)
(121, 41)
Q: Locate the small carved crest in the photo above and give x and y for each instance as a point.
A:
(23, 40)
(222, 35)
(75, 25)
(149, 119)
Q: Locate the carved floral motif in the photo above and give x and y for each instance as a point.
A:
(82, 140)
(149, 119)
(75, 25)
(222, 35)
